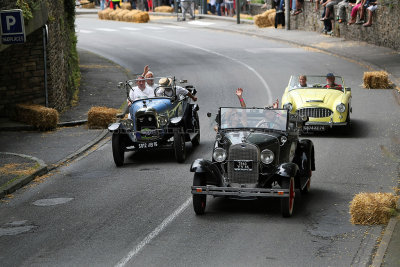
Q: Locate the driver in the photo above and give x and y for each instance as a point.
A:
(140, 91)
(165, 89)
(330, 82)
(273, 119)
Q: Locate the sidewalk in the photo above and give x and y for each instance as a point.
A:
(47, 150)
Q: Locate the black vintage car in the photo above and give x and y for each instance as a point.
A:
(257, 154)
(161, 122)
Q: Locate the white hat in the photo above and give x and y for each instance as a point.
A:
(164, 82)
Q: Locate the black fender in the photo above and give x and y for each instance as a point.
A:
(306, 155)
(289, 169)
(114, 127)
(213, 174)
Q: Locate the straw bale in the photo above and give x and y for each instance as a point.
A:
(376, 80)
(266, 19)
(39, 116)
(164, 9)
(101, 117)
(126, 6)
(105, 14)
(120, 15)
(114, 14)
(129, 16)
(141, 17)
(372, 208)
(87, 4)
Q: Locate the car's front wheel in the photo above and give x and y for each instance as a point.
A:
(118, 149)
(199, 201)
(179, 146)
(287, 203)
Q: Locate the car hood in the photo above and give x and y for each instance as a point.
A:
(160, 105)
(315, 97)
(258, 138)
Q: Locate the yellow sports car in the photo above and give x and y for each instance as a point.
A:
(323, 99)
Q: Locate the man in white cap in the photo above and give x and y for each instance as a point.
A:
(149, 76)
(165, 89)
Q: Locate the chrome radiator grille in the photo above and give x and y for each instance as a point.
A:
(315, 112)
(245, 152)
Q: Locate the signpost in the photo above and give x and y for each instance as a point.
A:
(12, 27)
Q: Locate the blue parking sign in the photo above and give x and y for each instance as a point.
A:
(12, 26)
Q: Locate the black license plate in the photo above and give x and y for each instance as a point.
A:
(314, 128)
(243, 165)
(148, 145)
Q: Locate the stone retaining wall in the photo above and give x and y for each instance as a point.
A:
(22, 78)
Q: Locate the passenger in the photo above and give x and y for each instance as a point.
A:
(140, 91)
(149, 76)
(165, 89)
(302, 81)
(239, 93)
(330, 82)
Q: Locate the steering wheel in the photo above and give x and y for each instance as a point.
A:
(317, 85)
(271, 124)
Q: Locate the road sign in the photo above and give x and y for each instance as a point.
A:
(12, 27)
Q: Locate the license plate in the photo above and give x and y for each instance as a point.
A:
(314, 128)
(243, 165)
(148, 145)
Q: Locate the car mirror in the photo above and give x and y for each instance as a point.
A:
(120, 85)
(347, 89)
(183, 81)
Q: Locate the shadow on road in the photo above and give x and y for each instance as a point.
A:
(357, 129)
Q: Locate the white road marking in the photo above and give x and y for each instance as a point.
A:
(154, 233)
(106, 29)
(154, 28)
(130, 29)
(264, 50)
(200, 23)
(174, 27)
(84, 31)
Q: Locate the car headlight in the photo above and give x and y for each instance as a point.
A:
(162, 120)
(288, 106)
(341, 107)
(267, 156)
(219, 154)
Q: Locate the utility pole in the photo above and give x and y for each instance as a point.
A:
(238, 11)
(287, 14)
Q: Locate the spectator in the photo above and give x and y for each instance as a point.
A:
(299, 5)
(150, 5)
(115, 4)
(218, 5)
(373, 6)
(329, 8)
(186, 4)
(211, 6)
(229, 8)
(342, 17)
(102, 4)
(354, 12)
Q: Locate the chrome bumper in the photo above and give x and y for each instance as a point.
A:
(239, 192)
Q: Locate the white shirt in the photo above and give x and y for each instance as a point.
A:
(136, 93)
(179, 91)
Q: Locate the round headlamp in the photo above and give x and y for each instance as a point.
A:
(267, 156)
(219, 154)
(162, 120)
(288, 106)
(341, 107)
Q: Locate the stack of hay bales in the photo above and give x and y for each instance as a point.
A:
(376, 79)
(372, 208)
(164, 9)
(87, 4)
(126, 6)
(101, 117)
(39, 116)
(124, 15)
(266, 19)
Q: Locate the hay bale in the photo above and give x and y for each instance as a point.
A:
(113, 15)
(39, 116)
(126, 6)
(266, 19)
(141, 17)
(87, 4)
(129, 16)
(101, 117)
(120, 15)
(376, 80)
(105, 14)
(372, 208)
(164, 9)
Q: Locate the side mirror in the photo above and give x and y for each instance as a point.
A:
(348, 89)
(183, 81)
(120, 85)
(209, 114)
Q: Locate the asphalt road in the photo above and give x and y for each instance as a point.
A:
(141, 214)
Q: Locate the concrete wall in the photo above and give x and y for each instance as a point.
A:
(22, 78)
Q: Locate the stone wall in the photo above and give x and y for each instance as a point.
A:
(22, 72)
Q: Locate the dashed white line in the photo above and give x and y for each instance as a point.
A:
(174, 27)
(106, 29)
(154, 233)
(130, 29)
(154, 28)
(200, 23)
(84, 31)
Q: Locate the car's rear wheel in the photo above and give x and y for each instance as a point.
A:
(118, 149)
(196, 140)
(287, 203)
(179, 146)
(199, 201)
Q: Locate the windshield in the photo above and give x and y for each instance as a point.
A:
(317, 82)
(254, 118)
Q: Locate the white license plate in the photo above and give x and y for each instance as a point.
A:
(243, 165)
(314, 128)
(148, 145)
